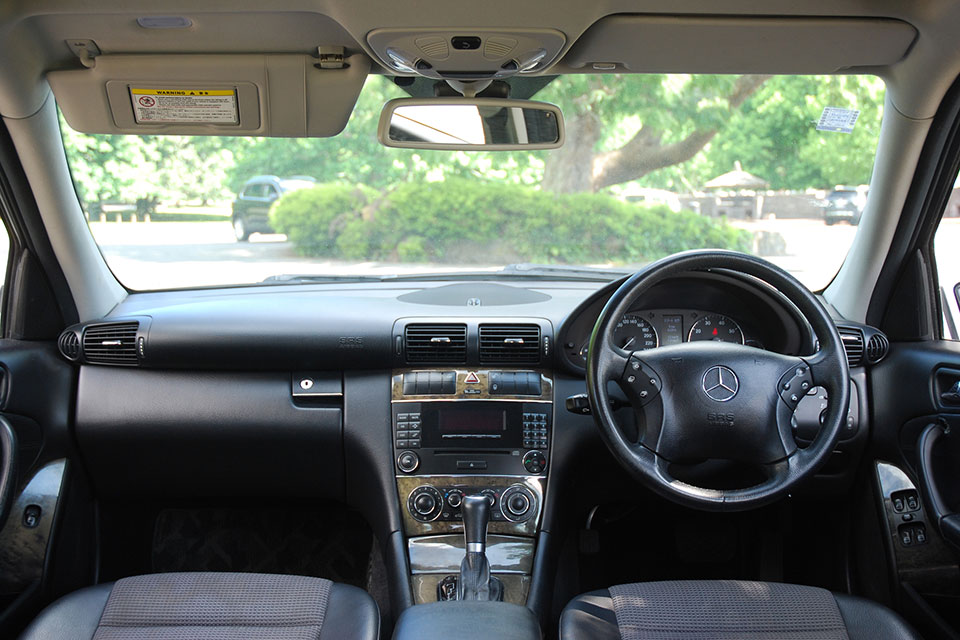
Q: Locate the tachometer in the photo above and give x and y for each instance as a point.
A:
(716, 327)
(633, 333)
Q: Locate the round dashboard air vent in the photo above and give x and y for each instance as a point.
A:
(877, 347)
(69, 344)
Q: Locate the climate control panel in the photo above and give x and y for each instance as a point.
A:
(427, 503)
(433, 504)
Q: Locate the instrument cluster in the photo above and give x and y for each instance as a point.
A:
(648, 329)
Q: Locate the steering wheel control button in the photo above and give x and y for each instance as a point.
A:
(641, 380)
(408, 461)
(425, 503)
(534, 462)
(795, 384)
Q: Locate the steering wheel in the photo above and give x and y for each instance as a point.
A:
(714, 400)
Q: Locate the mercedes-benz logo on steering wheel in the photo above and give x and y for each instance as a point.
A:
(720, 383)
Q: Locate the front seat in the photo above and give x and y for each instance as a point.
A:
(727, 610)
(210, 606)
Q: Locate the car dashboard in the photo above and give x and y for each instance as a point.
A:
(398, 399)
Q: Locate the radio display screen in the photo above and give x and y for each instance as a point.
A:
(484, 425)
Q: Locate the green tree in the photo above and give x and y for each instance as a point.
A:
(622, 128)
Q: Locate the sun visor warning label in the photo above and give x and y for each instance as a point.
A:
(190, 106)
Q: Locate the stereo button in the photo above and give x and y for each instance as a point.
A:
(408, 461)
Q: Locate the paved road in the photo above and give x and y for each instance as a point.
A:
(177, 254)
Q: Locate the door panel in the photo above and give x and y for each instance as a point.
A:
(916, 454)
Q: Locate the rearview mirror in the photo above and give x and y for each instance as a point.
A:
(470, 124)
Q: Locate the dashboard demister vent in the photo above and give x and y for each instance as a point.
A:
(853, 344)
(510, 343)
(445, 343)
(69, 345)
(877, 347)
(111, 343)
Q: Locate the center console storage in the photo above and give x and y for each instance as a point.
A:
(459, 433)
(467, 621)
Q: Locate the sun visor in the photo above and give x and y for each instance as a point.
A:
(673, 44)
(251, 95)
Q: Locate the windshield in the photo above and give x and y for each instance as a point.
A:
(652, 165)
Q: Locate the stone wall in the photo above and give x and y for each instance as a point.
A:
(740, 207)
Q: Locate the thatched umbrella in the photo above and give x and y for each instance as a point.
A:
(736, 180)
(739, 180)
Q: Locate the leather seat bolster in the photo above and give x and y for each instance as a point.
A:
(351, 615)
(590, 616)
(75, 616)
(867, 620)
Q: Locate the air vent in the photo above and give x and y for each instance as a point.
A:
(436, 343)
(510, 343)
(69, 344)
(877, 347)
(853, 344)
(112, 343)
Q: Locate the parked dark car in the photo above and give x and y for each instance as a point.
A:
(251, 209)
(843, 205)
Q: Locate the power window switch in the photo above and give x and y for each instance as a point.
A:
(906, 537)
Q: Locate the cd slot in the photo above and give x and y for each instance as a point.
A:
(474, 452)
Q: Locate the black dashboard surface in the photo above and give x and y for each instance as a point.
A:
(350, 326)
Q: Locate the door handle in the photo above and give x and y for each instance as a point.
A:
(946, 521)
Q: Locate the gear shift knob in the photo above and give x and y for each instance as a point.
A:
(476, 516)
(475, 581)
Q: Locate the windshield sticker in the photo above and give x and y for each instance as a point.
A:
(193, 106)
(838, 119)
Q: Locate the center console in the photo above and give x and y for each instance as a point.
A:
(466, 432)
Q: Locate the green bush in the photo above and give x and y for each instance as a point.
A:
(314, 219)
(463, 221)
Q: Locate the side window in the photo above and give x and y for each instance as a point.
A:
(271, 192)
(253, 191)
(4, 258)
(945, 244)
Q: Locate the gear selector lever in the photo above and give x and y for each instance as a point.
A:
(475, 582)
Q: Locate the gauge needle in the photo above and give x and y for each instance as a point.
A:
(630, 341)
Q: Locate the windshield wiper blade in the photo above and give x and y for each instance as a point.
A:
(298, 278)
(586, 273)
(513, 271)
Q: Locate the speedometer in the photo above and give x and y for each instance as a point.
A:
(716, 327)
(633, 333)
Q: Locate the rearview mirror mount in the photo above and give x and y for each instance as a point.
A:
(470, 124)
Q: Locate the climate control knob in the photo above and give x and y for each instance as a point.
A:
(455, 498)
(425, 503)
(518, 503)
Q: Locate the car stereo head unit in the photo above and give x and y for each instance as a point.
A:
(479, 422)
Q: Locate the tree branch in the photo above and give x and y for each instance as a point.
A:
(644, 153)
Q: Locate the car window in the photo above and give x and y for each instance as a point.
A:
(945, 243)
(653, 164)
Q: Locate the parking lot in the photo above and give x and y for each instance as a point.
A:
(151, 255)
